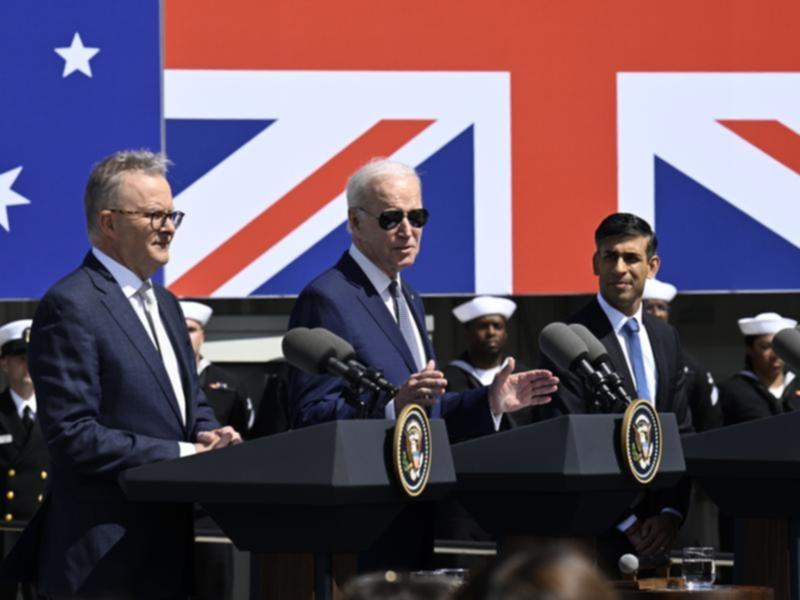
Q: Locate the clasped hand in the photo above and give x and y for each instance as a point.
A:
(217, 438)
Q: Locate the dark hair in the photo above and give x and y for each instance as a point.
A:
(749, 341)
(396, 586)
(551, 572)
(626, 225)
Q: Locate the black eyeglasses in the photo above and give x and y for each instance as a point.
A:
(158, 218)
(389, 219)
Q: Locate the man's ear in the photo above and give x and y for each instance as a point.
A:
(352, 219)
(105, 222)
(596, 263)
(655, 264)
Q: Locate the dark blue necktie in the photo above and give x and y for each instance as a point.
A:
(631, 331)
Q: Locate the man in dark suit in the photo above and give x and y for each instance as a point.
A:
(24, 460)
(363, 300)
(117, 385)
(646, 353)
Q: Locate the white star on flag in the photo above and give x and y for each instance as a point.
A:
(77, 56)
(9, 197)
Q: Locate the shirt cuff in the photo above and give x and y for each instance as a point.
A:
(627, 524)
(186, 449)
(388, 411)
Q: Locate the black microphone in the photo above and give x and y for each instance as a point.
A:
(786, 344)
(600, 360)
(563, 346)
(347, 354)
(314, 353)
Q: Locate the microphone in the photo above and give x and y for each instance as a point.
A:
(568, 351)
(786, 344)
(313, 353)
(347, 354)
(628, 564)
(600, 360)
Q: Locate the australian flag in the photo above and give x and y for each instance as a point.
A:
(79, 79)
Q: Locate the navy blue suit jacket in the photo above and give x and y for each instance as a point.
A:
(572, 398)
(106, 405)
(344, 301)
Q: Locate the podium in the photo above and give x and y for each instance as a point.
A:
(561, 477)
(752, 472)
(326, 489)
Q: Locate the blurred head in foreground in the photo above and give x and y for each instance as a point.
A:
(554, 572)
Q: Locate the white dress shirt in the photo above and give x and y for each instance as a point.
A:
(130, 283)
(618, 320)
(380, 281)
(21, 403)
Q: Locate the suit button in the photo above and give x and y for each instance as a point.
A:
(10, 495)
(9, 517)
(43, 474)
(40, 497)
(12, 473)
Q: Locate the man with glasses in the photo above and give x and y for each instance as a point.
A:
(117, 387)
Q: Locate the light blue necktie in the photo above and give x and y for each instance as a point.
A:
(406, 324)
(631, 330)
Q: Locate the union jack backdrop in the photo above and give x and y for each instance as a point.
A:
(528, 122)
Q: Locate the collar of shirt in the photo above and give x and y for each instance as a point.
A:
(379, 280)
(21, 403)
(617, 318)
(776, 391)
(127, 279)
(202, 365)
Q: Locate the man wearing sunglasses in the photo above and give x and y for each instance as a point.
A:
(364, 300)
(116, 381)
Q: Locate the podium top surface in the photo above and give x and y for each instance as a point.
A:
(340, 462)
(761, 449)
(568, 453)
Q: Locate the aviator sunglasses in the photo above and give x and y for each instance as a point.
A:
(389, 219)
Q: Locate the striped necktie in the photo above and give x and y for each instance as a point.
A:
(406, 323)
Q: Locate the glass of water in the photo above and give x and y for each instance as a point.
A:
(698, 568)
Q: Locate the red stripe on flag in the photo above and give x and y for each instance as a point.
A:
(771, 137)
(299, 204)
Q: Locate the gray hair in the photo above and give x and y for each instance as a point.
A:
(359, 186)
(103, 185)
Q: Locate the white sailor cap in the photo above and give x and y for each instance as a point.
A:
(659, 290)
(482, 306)
(14, 337)
(765, 324)
(196, 311)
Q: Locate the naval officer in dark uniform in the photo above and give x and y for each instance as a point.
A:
(224, 393)
(24, 459)
(763, 388)
(214, 567)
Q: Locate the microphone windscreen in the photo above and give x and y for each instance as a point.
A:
(344, 350)
(628, 564)
(595, 347)
(307, 350)
(561, 345)
(786, 344)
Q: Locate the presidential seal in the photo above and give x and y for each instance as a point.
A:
(642, 440)
(411, 449)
